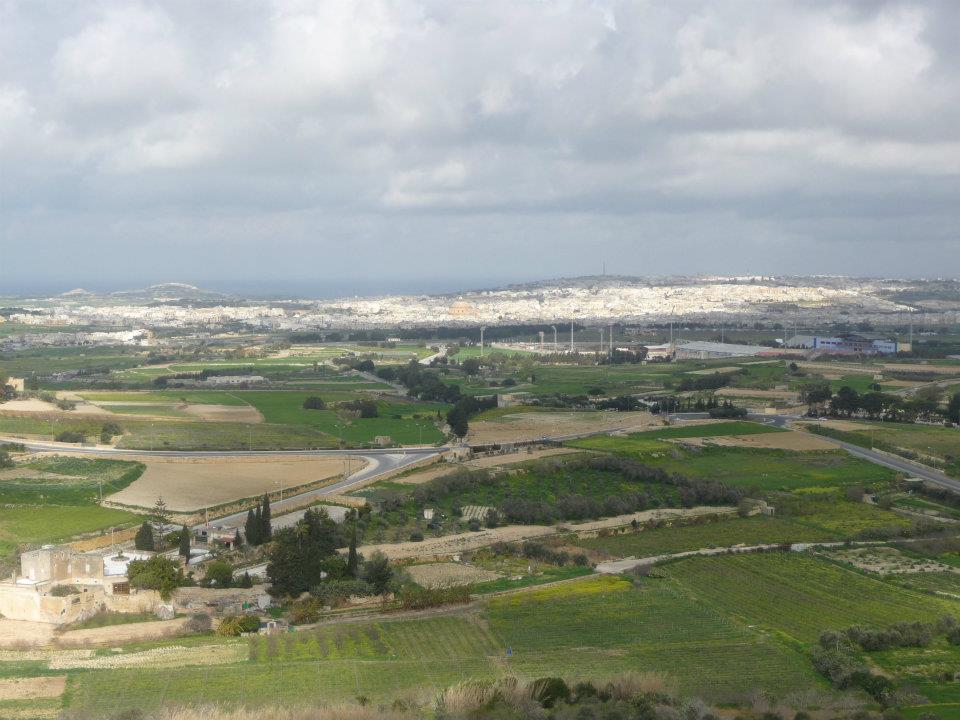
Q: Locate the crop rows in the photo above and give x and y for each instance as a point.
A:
(801, 596)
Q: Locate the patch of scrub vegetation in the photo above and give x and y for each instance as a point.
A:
(540, 493)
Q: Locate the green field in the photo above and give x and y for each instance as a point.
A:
(797, 596)
(721, 533)
(764, 469)
(406, 422)
(593, 628)
(65, 481)
(926, 442)
(50, 524)
(206, 397)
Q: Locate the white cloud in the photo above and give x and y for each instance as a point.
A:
(264, 114)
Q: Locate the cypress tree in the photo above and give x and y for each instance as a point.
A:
(266, 531)
(144, 537)
(252, 528)
(185, 544)
(352, 560)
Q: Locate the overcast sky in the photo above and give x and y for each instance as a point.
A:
(321, 147)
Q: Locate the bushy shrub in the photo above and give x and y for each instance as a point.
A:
(70, 436)
(412, 597)
(199, 623)
(233, 625)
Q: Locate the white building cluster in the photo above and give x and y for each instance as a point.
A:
(578, 300)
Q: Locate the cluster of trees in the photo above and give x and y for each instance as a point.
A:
(467, 406)
(704, 382)
(877, 405)
(421, 382)
(363, 407)
(834, 659)
(726, 409)
(525, 511)
(258, 529)
(304, 558)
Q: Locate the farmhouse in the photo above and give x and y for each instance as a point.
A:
(60, 585)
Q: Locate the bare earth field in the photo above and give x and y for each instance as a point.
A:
(32, 688)
(224, 413)
(188, 484)
(32, 405)
(482, 462)
(123, 634)
(15, 634)
(438, 575)
(796, 441)
(447, 545)
(530, 426)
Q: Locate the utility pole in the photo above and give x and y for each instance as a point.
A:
(554, 328)
(482, 328)
(571, 337)
(610, 334)
(601, 339)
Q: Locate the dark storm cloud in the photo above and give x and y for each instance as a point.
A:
(229, 142)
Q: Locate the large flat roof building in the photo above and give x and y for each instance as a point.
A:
(701, 350)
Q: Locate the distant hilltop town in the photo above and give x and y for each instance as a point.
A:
(784, 300)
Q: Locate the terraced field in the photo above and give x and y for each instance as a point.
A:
(723, 533)
(597, 627)
(799, 596)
